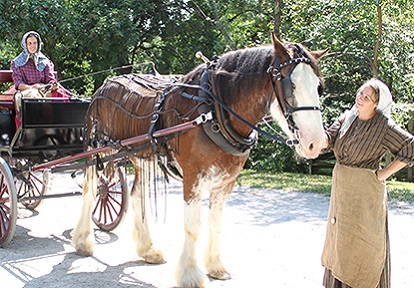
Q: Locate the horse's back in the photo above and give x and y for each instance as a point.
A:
(123, 106)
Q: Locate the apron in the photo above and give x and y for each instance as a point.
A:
(355, 243)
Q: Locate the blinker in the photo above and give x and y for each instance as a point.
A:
(287, 87)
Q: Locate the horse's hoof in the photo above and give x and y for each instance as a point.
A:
(83, 245)
(191, 277)
(156, 257)
(84, 252)
(220, 275)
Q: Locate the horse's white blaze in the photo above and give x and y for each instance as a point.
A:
(311, 132)
(309, 122)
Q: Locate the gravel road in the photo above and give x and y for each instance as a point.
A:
(270, 238)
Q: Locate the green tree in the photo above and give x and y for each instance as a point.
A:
(87, 37)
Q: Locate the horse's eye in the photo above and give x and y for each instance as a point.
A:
(320, 89)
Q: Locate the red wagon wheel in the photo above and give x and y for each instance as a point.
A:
(36, 184)
(8, 204)
(111, 203)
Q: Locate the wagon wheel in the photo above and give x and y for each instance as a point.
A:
(8, 204)
(111, 203)
(35, 184)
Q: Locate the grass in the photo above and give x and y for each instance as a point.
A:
(321, 184)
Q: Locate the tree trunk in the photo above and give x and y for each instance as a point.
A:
(278, 17)
(377, 45)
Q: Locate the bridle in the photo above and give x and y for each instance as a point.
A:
(275, 73)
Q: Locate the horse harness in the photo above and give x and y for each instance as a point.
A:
(219, 128)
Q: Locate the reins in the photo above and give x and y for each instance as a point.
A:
(109, 70)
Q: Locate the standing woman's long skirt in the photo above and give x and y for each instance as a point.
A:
(329, 281)
(356, 251)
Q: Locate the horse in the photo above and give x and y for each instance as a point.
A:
(231, 94)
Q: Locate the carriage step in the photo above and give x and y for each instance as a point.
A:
(49, 196)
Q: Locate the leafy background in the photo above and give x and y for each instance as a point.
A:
(86, 37)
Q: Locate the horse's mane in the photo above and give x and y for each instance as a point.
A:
(232, 69)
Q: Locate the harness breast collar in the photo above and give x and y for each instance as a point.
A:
(219, 129)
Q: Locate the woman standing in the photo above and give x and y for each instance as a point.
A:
(356, 251)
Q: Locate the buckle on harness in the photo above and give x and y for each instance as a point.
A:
(203, 118)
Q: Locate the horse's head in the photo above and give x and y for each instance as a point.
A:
(297, 84)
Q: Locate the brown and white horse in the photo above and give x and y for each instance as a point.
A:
(281, 78)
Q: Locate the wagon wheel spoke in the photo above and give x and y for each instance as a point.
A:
(112, 202)
(110, 207)
(5, 219)
(107, 208)
(36, 185)
(102, 204)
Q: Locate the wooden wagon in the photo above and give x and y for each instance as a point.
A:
(51, 129)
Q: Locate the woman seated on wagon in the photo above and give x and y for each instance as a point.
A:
(33, 73)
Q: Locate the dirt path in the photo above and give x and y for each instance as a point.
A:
(270, 239)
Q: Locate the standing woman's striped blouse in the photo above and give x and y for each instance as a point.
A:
(365, 142)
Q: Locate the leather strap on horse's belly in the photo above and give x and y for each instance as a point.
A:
(355, 242)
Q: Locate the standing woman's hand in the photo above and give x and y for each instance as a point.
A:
(395, 166)
(382, 175)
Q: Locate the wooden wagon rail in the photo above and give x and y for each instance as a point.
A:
(6, 76)
(126, 142)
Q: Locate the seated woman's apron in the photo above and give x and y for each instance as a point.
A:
(355, 244)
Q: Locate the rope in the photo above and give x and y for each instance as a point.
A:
(110, 70)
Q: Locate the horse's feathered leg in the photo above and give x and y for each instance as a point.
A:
(141, 233)
(212, 256)
(83, 238)
(188, 274)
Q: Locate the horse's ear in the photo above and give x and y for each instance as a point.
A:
(277, 44)
(318, 54)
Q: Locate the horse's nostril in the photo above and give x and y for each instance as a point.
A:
(311, 146)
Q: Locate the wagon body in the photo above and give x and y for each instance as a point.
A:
(49, 128)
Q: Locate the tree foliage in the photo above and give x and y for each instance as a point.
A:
(87, 37)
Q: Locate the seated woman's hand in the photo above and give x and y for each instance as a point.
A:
(54, 86)
(38, 86)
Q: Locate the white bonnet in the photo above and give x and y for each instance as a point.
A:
(384, 104)
(385, 97)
